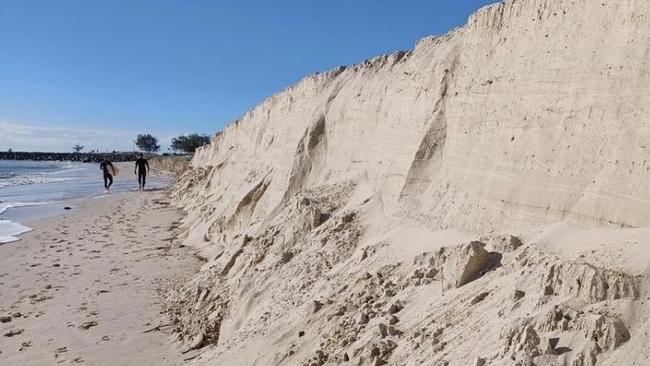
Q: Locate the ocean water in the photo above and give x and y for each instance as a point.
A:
(41, 185)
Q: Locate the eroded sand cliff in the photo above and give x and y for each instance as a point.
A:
(480, 200)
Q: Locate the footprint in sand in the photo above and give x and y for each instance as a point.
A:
(87, 325)
(25, 345)
(14, 332)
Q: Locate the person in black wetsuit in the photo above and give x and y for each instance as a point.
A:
(107, 167)
(142, 168)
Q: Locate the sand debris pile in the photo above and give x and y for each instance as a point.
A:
(589, 282)
(458, 265)
(434, 309)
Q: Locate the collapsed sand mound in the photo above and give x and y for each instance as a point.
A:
(480, 200)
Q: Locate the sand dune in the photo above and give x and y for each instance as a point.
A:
(479, 200)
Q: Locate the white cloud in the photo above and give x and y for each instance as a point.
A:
(21, 137)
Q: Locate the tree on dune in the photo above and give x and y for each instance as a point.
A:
(147, 142)
(189, 143)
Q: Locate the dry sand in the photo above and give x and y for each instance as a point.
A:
(482, 199)
(82, 288)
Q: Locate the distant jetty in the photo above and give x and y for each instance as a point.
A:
(81, 157)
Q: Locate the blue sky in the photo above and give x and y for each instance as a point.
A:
(100, 71)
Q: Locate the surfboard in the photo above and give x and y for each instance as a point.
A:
(115, 170)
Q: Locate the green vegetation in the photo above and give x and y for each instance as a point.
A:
(147, 143)
(189, 143)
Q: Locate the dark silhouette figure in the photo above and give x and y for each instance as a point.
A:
(107, 168)
(142, 168)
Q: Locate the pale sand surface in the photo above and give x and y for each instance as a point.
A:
(482, 199)
(101, 264)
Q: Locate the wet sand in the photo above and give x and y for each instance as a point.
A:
(83, 287)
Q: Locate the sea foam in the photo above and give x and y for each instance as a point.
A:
(10, 230)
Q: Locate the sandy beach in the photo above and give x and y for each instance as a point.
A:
(481, 199)
(82, 287)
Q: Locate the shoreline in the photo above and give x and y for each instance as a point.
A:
(25, 203)
(84, 284)
(30, 215)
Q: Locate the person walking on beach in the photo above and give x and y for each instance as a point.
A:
(108, 169)
(142, 168)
